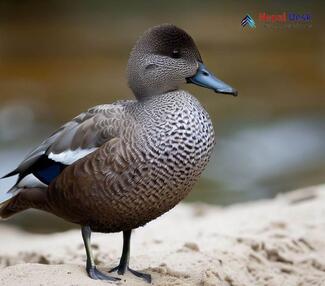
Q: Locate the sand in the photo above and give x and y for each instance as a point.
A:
(272, 242)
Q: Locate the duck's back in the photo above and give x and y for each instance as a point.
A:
(157, 153)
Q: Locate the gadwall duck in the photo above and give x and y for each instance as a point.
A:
(118, 166)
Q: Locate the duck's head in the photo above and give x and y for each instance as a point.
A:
(165, 57)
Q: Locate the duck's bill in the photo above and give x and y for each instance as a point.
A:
(206, 79)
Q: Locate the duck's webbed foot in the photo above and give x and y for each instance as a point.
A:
(94, 273)
(121, 270)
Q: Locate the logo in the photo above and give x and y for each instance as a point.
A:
(279, 20)
(248, 20)
(284, 17)
(286, 20)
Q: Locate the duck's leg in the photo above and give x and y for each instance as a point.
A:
(90, 266)
(124, 262)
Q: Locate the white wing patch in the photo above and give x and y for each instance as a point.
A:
(70, 156)
(30, 181)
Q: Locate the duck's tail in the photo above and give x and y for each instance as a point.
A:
(21, 197)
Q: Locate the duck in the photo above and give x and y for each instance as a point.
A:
(116, 167)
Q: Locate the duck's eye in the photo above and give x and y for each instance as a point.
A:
(176, 54)
(150, 67)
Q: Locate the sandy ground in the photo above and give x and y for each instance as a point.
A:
(272, 243)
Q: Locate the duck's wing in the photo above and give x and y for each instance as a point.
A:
(73, 141)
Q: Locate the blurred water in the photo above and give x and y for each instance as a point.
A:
(263, 159)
